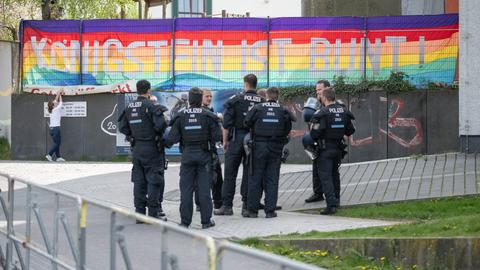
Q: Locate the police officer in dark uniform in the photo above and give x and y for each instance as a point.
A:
(328, 127)
(235, 110)
(269, 123)
(143, 123)
(197, 129)
(317, 184)
(217, 173)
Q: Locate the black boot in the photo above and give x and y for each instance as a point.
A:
(314, 198)
(160, 211)
(272, 214)
(155, 213)
(142, 211)
(210, 224)
(330, 210)
(224, 211)
(245, 211)
(249, 214)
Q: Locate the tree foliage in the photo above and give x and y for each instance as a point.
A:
(12, 11)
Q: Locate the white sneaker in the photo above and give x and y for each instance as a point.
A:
(49, 158)
(60, 159)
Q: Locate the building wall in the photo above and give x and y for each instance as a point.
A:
(7, 78)
(312, 8)
(469, 94)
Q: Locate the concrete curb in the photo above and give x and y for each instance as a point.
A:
(426, 253)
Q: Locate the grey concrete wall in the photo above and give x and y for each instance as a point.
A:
(313, 8)
(422, 122)
(425, 253)
(423, 7)
(7, 76)
(82, 138)
(469, 93)
(389, 126)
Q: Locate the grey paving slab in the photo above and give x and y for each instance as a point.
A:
(416, 179)
(362, 183)
(404, 183)
(372, 186)
(448, 175)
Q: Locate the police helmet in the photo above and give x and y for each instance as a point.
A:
(309, 108)
(309, 146)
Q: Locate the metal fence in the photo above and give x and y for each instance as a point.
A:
(48, 228)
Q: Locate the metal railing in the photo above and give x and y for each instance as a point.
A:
(20, 247)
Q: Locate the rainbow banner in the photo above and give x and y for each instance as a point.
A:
(215, 53)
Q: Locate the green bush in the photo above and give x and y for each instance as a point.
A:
(397, 82)
(4, 149)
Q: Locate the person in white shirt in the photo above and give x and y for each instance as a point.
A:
(55, 110)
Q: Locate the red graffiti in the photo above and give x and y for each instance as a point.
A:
(395, 121)
(122, 89)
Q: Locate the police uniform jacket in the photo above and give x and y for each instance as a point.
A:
(143, 120)
(331, 123)
(236, 108)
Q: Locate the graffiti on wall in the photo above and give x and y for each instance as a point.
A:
(399, 125)
(396, 123)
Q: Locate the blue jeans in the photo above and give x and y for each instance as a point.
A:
(56, 138)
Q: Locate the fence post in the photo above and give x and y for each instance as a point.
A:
(9, 255)
(82, 227)
(113, 240)
(20, 59)
(365, 50)
(268, 51)
(172, 64)
(81, 52)
(28, 225)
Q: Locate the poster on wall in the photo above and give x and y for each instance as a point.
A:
(69, 109)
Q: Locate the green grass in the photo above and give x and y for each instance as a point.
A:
(446, 217)
(323, 258)
(4, 149)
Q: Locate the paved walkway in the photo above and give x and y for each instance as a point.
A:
(372, 182)
(362, 183)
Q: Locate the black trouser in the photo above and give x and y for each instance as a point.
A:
(147, 177)
(216, 187)
(233, 157)
(265, 176)
(317, 183)
(195, 174)
(328, 162)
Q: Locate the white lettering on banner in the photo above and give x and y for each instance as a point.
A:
(69, 109)
(123, 87)
(320, 58)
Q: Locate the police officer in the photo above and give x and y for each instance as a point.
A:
(143, 123)
(269, 123)
(197, 129)
(217, 173)
(317, 184)
(235, 110)
(328, 127)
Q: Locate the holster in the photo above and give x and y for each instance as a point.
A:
(131, 140)
(342, 146)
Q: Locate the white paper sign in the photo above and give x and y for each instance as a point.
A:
(69, 109)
